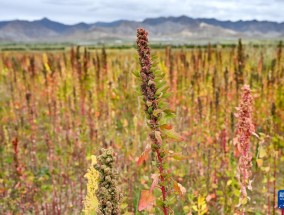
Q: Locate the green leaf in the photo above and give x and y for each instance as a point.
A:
(163, 120)
(169, 111)
(150, 110)
(194, 207)
(159, 202)
(160, 76)
(136, 73)
(161, 89)
(163, 105)
(173, 135)
(179, 156)
(236, 192)
(165, 95)
(161, 83)
(244, 201)
(219, 193)
(229, 182)
(170, 201)
(262, 152)
(200, 200)
(154, 57)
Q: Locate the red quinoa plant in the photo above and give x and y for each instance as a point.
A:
(245, 129)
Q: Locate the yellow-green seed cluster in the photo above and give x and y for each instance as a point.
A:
(107, 193)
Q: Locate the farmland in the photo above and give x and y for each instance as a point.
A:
(57, 108)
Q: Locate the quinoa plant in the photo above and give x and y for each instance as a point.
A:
(239, 71)
(153, 88)
(245, 129)
(107, 193)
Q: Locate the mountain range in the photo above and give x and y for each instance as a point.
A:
(161, 29)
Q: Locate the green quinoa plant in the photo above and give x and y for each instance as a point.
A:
(108, 196)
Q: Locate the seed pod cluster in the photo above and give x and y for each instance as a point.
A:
(245, 128)
(148, 85)
(107, 193)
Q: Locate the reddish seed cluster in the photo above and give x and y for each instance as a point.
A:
(148, 86)
(143, 50)
(245, 128)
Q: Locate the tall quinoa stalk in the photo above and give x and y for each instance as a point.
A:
(153, 89)
(278, 58)
(245, 129)
(239, 70)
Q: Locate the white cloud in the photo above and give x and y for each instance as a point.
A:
(73, 11)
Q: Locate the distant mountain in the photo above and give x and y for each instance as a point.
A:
(168, 29)
(247, 26)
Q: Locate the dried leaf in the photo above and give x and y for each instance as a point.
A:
(150, 82)
(210, 196)
(179, 189)
(147, 200)
(259, 162)
(158, 137)
(155, 178)
(249, 184)
(255, 134)
(156, 112)
(148, 103)
(145, 155)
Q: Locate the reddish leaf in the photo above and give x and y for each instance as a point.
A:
(2, 191)
(97, 114)
(155, 178)
(210, 196)
(166, 126)
(147, 200)
(145, 155)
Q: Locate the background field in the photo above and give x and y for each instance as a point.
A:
(58, 107)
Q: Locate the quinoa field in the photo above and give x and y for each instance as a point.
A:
(186, 131)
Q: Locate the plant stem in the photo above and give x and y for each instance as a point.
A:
(163, 188)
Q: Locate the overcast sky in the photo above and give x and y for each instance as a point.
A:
(74, 11)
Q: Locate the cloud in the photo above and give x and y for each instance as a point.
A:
(69, 2)
(73, 11)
